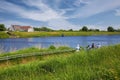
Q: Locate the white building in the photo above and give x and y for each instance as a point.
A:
(21, 28)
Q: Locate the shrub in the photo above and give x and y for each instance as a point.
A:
(110, 29)
(52, 47)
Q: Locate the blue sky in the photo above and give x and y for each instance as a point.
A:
(61, 14)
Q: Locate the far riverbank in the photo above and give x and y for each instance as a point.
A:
(48, 34)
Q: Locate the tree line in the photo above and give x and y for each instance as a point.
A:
(42, 29)
(84, 28)
(109, 29)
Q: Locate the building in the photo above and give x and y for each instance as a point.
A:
(21, 28)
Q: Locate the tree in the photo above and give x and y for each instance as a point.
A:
(42, 29)
(84, 28)
(62, 30)
(36, 29)
(2, 27)
(95, 30)
(45, 29)
(118, 30)
(70, 30)
(110, 29)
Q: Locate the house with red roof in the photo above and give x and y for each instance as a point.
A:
(21, 28)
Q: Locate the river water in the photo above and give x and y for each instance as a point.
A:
(71, 41)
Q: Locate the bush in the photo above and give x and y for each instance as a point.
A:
(110, 29)
(52, 47)
(84, 28)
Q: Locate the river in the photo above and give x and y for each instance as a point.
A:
(71, 41)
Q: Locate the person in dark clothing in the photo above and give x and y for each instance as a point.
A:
(93, 45)
(88, 47)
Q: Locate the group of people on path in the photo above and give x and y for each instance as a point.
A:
(92, 46)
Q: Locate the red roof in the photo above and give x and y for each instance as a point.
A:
(25, 27)
(21, 28)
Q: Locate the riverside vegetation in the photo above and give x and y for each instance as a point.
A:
(95, 64)
(3, 35)
(47, 34)
(57, 33)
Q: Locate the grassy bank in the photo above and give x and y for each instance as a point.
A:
(96, 64)
(3, 35)
(33, 50)
(46, 34)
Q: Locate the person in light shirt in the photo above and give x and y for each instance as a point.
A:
(98, 45)
(78, 47)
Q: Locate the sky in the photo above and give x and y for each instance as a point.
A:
(61, 14)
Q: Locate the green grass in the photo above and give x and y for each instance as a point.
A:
(96, 64)
(46, 34)
(35, 50)
(37, 34)
(3, 35)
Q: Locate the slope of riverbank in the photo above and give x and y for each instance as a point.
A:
(47, 34)
(3, 35)
(95, 64)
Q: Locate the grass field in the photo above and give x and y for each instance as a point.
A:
(58, 33)
(46, 34)
(95, 64)
(3, 35)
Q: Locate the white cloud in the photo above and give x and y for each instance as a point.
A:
(44, 13)
(117, 12)
(9, 7)
(38, 16)
(11, 22)
(57, 19)
(95, 7)
(78, 2)
(61, 24)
